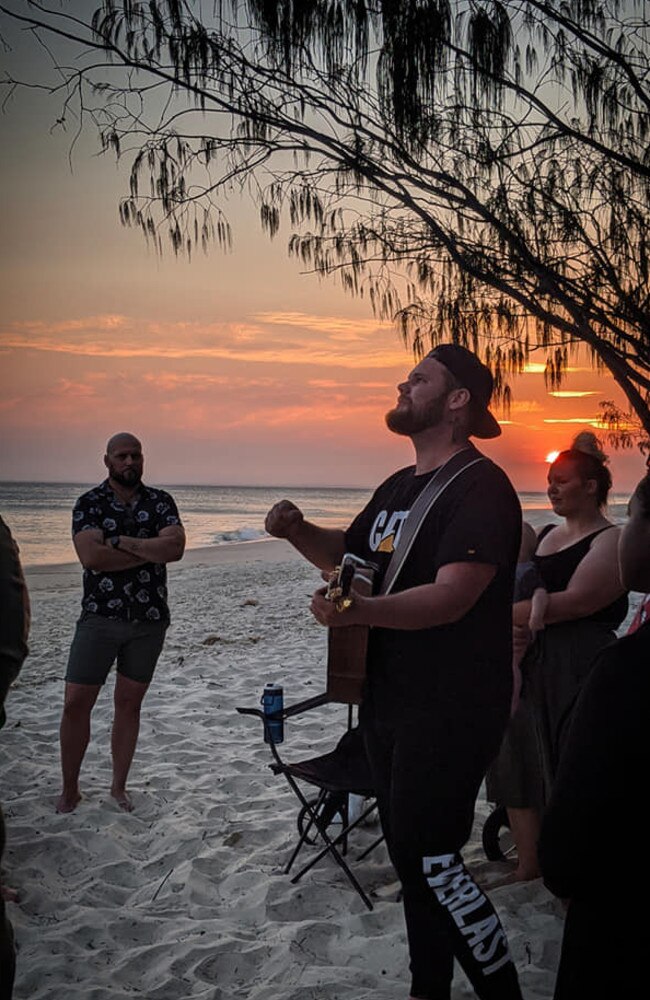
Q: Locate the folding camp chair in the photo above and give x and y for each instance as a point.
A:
(336, 775)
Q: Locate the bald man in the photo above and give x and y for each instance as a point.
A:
(124, 534)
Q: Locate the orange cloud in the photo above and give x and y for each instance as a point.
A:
(572, 393)
(539, 367)
(103, 322)
(596, 422)
(210, 403)
(593, 421)
(341, 326)
(12, 402)
(66, 387)
(526, 406)
(194, 381)
(351, 345)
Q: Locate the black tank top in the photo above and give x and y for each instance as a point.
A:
(557, 568)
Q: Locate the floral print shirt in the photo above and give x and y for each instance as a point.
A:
(138, 594)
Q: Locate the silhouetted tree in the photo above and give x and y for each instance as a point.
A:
(479, 169)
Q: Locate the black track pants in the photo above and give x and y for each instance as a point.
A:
(427, 773)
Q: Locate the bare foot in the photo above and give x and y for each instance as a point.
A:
(123, 800)
(513, 878)
(526, 874)
(487, 873)
(68, 803)
(9, 895)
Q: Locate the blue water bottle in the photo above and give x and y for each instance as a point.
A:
(273, 701)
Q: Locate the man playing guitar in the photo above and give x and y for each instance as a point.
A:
(437, 694)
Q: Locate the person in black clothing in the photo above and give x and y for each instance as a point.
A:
(124, 533)
(14, 629)
(577, 561)
(439, 681)
(603, 768)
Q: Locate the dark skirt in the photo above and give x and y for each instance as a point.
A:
(553, 670)
(514, 778)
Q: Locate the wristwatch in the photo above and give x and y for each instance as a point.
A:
(114, 540)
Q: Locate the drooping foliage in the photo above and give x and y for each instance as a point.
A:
(480, 169)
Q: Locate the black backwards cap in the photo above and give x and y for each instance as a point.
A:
(473, 375)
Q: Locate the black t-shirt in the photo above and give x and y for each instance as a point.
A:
(476, 519)
(138, 594)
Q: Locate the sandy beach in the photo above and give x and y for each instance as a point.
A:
(186, 896)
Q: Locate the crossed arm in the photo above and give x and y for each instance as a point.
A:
(97, 555)
(595, 583)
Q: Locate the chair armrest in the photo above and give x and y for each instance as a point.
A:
(289, 710)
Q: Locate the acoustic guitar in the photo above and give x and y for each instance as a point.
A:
(347, 645)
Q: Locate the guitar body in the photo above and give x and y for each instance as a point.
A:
(347, 645)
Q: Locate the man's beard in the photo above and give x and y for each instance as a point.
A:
(128, 478)
(402, 419)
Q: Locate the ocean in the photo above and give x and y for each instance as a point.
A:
(39, 514)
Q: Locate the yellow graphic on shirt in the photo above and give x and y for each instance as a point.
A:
(385, 531)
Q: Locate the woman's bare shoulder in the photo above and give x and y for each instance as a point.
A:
(608, 538)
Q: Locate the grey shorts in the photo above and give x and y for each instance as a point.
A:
(98, 642)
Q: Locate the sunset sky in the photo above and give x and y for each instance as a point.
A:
(232, 368)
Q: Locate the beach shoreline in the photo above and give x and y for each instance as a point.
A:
(47, 576)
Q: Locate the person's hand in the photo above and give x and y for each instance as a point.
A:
(325, 611)
(283, 519)
(536, 623)
(521, 639)
(521, 613)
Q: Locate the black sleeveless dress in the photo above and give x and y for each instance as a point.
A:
(553, 670)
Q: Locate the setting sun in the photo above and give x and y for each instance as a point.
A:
(552, 455)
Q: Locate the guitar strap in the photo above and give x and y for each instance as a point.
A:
(423, 503)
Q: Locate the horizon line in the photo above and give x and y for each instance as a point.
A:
(245, 486)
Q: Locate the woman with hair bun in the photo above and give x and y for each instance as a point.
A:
(578, 565)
